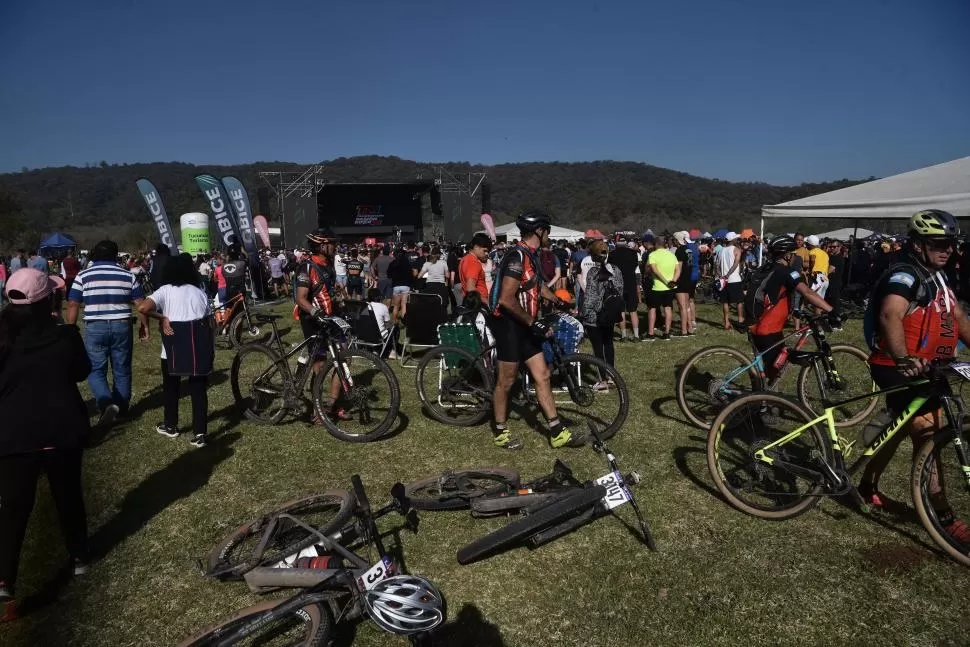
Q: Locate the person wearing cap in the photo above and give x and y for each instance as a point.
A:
(106, 292)
(471, 269)
(44, 422)
(688, 256)
(818, 266)
(624, 258)
(602, 278)
(727, 269)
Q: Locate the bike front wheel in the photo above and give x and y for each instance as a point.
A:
(241, 332)
(597, 393)
(308, 626)
(368, 397)
(454, 386)
(455, 490)
(710, 379)
(818, 390)
(259, 379)
(769, 491)
(235, 554)
(941, 493)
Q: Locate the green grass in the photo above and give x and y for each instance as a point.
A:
(720, 577)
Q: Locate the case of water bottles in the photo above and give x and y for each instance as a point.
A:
(568, 332)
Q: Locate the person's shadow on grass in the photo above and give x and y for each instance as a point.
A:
(177, 480)
(467, 629)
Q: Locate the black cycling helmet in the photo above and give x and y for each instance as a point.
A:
(781, 245)
(933, 223)
(529, 221)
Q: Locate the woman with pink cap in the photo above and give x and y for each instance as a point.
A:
(45, 422)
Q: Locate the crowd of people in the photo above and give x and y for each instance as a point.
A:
(912, 287)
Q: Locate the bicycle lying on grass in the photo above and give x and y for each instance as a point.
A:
(772, 458)
(712, 377)
(552, 505)
(311, 544)
(456, 380)
(266, 387)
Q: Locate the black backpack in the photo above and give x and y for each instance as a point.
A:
(613, 304)
(755, 299)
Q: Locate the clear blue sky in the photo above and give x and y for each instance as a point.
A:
(782, 91)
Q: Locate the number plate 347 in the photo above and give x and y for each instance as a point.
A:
(616, 494)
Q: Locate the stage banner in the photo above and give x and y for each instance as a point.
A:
(157, 210)
(262, 228)
(218, 199)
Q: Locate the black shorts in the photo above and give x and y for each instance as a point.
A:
(660, 298)
(513, 341)
(631, 299)
(687, 287)
(732, 293)
(764, 342)
(355, 285)
(279, 280)
(887, 377)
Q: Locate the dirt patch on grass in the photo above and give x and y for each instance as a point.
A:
(892, 558)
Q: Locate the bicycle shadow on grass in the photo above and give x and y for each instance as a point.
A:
(177, 480)
(658, 405)
(682, 457)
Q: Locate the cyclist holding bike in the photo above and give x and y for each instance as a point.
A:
(768, 302)
(314, 286)
(913, 319)
(519, 333)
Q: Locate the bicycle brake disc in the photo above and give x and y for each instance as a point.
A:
(582, 395)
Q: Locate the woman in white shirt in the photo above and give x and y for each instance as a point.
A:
(383, 317)
(435, 273)
(188, 344)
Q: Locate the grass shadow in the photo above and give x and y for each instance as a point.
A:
(177, 480)
(657, 408)
(468, 628)
(681, 455)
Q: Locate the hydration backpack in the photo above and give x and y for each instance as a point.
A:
(756, 300)
(925, 293)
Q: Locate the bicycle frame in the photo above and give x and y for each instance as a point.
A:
(758, 363)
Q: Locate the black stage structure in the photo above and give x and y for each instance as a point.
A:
(445, 207)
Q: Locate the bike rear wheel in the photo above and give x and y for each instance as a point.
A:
(368, 400)
(233, 556)
(938, 465)
(755, 487)
(259, 379)
(597, 393)
(570, 504)
(309, 626)
(454, 386)
(702, 391)
(456, 490)
(853, 379)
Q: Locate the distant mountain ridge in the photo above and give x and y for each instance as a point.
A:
(605, 194)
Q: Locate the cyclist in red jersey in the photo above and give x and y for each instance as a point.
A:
(778, 288)
(314, 283)
(519, 332)
(915, 318)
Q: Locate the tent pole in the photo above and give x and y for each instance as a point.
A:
(761, 241)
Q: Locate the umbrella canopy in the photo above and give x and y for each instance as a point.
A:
(721, 233)
(55, 242)
(746, 233)
(694, 233)
(593, 233)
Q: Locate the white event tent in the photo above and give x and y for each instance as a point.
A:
(943, 186)
(557, 233)
(846, 232)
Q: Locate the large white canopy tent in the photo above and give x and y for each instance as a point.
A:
(942, 186)
(557, 233)
(844, 233)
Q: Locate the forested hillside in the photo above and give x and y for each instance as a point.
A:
(608, 195)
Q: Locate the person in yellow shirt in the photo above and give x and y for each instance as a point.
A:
(818, 267)
(666, 271)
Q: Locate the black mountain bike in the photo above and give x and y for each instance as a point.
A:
(267, 387)
(456, 380)
(335, 578)
(552, 505)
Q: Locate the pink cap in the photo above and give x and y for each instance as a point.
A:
(28, 286)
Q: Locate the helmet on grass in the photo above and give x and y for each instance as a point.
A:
(405, 604)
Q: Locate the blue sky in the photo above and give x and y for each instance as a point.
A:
(781, 91)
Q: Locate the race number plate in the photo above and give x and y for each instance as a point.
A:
(375, 574)
(615, 494)
(963, 368)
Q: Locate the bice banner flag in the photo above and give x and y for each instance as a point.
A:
(218, 199)
(157, 210)
(239, 203)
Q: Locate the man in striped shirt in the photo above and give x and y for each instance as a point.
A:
(107, 291)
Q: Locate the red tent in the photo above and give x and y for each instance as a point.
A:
(694, 234)
(593, 233)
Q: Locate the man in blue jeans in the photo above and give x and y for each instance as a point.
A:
(107, 291)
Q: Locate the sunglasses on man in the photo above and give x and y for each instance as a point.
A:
(941, 244)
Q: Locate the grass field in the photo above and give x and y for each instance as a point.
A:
(829, 577)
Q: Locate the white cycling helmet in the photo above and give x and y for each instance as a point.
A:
(405, 604)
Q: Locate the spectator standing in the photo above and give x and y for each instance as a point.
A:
(277, 277)
(818, 266)
(602, 278)
(38, 262)
(39, 434)
(728, 273)
(355, 275)
(340, 269)
(688, 256)
(665, 270)
(205, 272)
(379, 271)
(69, 269)
(624, 258)
(18, 262)
(220, 277)
(160, 258)
(188, 346)
(435, 275)
(471, 270)
(837, 268)
(106, 293)
(402, 275)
